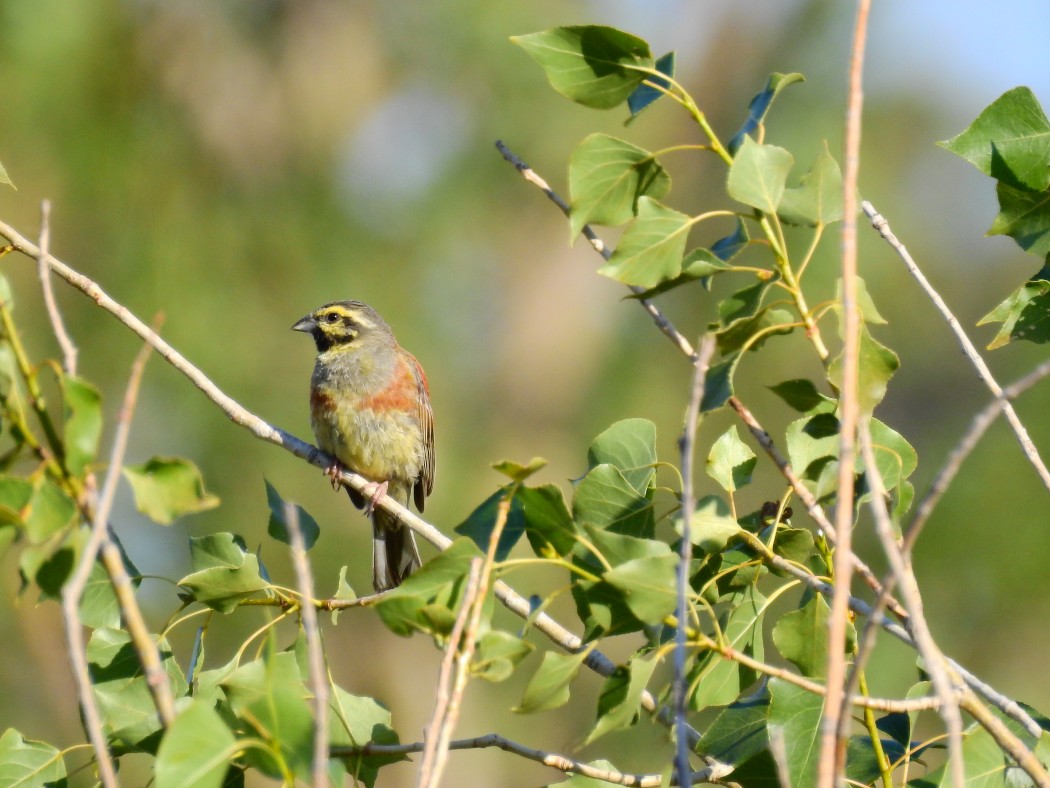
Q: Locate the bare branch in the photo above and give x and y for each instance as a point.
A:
(692, 417)
(658, 317)
(1005, 738)
(69, 350)
(314, 652)
(1030, 451)
(554, 760)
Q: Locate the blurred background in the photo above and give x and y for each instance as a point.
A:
(235, 164)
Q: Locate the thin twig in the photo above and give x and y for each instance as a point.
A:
(553, 760)
(69, 350)
(920, 631)
(1030, 451)
(658, 317)
(980, 424)
(832, 761)
(433, 759)
(73, 590)
(314, 652)
(686, 445)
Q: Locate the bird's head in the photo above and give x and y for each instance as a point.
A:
(349, 324)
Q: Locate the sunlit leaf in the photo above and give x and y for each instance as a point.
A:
(5, 178)
(630, 446)
(593, 65)
(865, 304)
(801, 637)
(355, 720)
(606, 177)
(648, 586)
(498, 653)
(50, 511)
(167, 488)
(731, 461)
(518, 472)
(1024, 313)
(758, 174)
(28, 763)
(196, 750)
(620, 700)
(717, 680)
(83, 423)
(794, 713)
(1009, 140)
(817, 200)
(224, 572)
(650, 250)
(605, 499)
(877, 364)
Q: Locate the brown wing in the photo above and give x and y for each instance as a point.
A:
(425, 481)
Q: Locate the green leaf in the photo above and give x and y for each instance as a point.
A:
(15, 495)
(738, 732)
(224, 572)
(196, 750)
(718, 386)
(480, 523)
(1009, 140)
(549, 686)
(83, 423)
(877, 365)
(129, 716)
(731, 461)
(618, 549)
(712, 525)
(1025, 217)
(718, 681)
(355, 721)
(760, 104)
(424, 594)
(518, 472)
(794, 714)
(817, 200)
(98, 605)
(278, 527)
(497, 655)
(758, 174)
(256, 680)
(1024, 312)
(343, 592)
(800, 393)
(630, 446)
(725, 249)
(548, 523)
(28, 763)
(605, 499)
(593, 65)
(167, 488)
(284, 721)
(51, 510)
(5, 178)
(648, 586)
(895, 458)
(801, 637)
(650, 250)
(606, 177)
(865, 304)
(645, 94)
(621, 696)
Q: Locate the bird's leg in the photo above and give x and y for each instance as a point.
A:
(375, 491)
(333, 472)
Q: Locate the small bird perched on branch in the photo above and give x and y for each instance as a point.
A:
(370, 409)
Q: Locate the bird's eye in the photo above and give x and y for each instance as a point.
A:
(332, 317)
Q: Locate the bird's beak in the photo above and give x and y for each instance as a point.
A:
(307, 324)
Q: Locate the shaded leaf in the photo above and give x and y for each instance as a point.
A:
(480, 523)
(646, 94)
(357, 720)
(630, 446)
(718, 386)
(278, 526)
(498, 653)
(817, 200)
(648, 586)
(738, 732)
(801, 637)
(1025, 217)
(593, 65)
(712, 525)
(548, 523)
(717, 680)
(1009, 140)
(606, 177)
(758, 174)
(760, 104)
(196, 750)
(98, 604)
(620, 699)
(800, 393)
(50, 511)
(83, 423)
(725, 249)
(549, 686)
(1024, 313)
(167, 488)
(605, 499)
(650, 250)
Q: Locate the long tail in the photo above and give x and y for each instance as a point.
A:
(394, 552)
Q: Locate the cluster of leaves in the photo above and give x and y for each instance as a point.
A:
(1010, 141)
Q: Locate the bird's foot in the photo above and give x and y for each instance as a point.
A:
(375, 491)
(333, 472)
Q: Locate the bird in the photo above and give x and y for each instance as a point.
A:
(370, 409)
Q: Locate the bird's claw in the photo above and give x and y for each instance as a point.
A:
(375, 491)
(334, 472)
